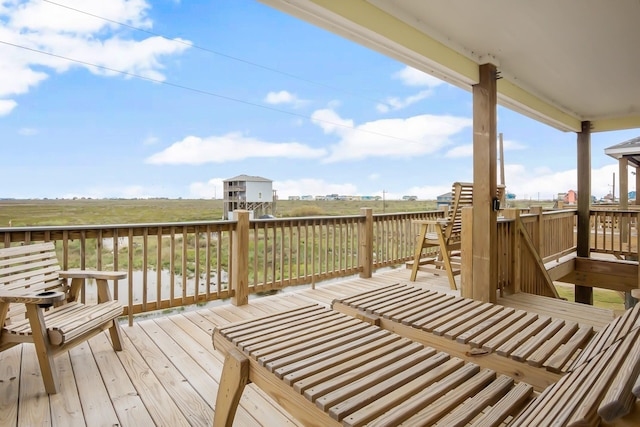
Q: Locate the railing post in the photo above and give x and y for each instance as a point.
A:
(365, 237)
(537, 235)
(516, 251)
(240, 262)
(466, 253)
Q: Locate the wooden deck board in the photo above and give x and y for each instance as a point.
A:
(168, 373)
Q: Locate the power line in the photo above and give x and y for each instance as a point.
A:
(205, 92)
(215, 52)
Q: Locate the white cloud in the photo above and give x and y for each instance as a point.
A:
(7, 106)
(510, 145)
(28, 131)
(410, 76)
(460, 151)
(284, 97)
(529, 184)
(398, 138)
(211, 189)
(394, 103)
(311, 186)
(45, 27)
(41, 16)
(374, 177)
(230, 147)
(413, 77)
(428, 192)
(331, 122)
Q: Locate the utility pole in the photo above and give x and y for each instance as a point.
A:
(384, 203)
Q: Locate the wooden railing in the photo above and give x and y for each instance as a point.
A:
(526, 242)
(176, 264)
(614, 231)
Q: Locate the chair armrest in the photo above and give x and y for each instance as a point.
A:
(91, 274)
(40, 298)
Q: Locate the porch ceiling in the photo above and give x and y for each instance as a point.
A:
(561, 62)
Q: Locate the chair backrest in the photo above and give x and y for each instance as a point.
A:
(462, 197)
(29, 268)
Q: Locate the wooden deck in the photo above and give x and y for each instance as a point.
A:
(168, 373)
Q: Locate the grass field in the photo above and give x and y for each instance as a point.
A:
(19, 213)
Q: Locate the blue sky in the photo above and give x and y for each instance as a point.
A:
(213, 89)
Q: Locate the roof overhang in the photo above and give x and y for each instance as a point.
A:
(561, 63)
(629, 150)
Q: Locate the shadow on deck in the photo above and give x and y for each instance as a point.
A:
(168, 373)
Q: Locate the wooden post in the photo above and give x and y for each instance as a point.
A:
(537, 236)
(584, 294)
(485, 233)
(516, 251)
(466, 253)
(637, 187)
(623, 164)
(240, 262)
(365, 237)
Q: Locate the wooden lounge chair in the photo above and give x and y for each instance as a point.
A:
(38, 306)
(511, 341)
(327, 368)
(445, 236)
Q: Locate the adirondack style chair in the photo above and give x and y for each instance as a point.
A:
(445, 235)
(38, 305)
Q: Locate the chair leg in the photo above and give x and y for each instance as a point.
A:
(43, 348)
(235, 375)
(446, 260)
(418, 252)
(116, 337)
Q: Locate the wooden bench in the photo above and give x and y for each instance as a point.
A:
(327, 368)
(39, 306)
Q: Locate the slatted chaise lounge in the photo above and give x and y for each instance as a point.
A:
(527, 342)
(328, 368)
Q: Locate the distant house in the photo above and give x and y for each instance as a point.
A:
(252, 193)
(570, 197)
(444, 199)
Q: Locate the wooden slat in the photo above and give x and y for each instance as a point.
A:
(436, 410)
(566, 352)
(523, 351)
(619, 398)
(297, 371)
(425, 397)
(476, 404)
(508, 405)
(510, 331)
(539, 356)
(407, 381)
(525, 334)
(390, 396)
(485, 325)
